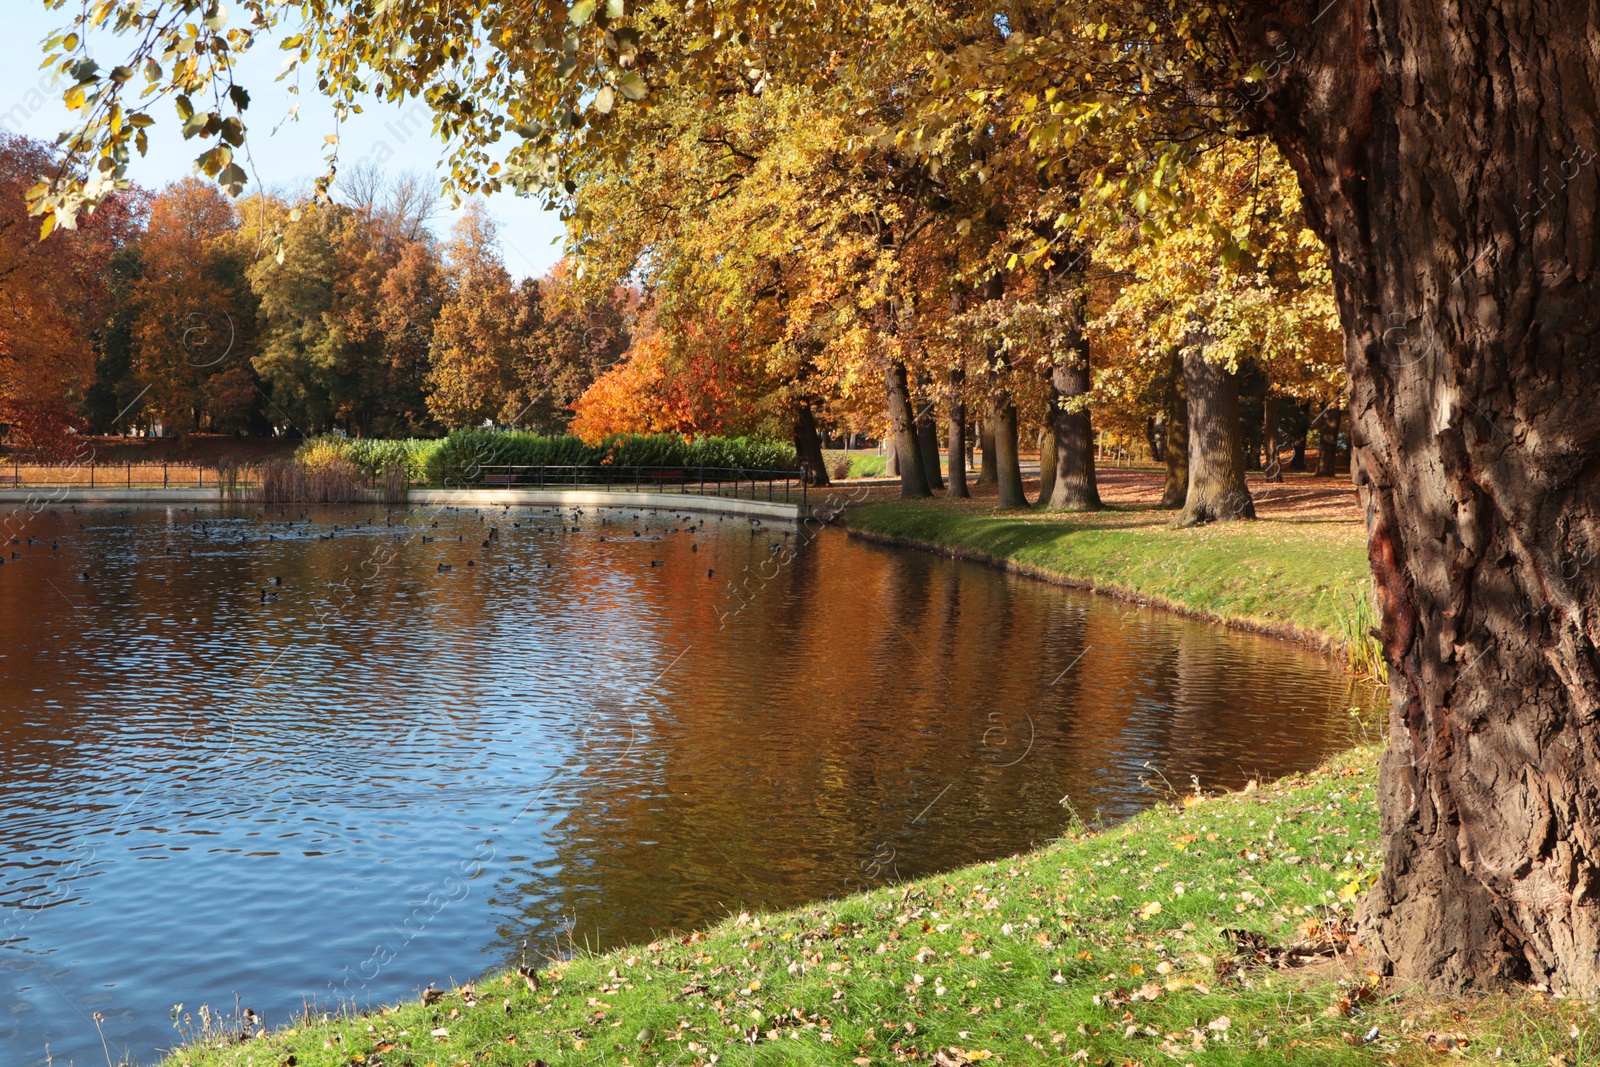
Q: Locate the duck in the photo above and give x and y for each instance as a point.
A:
(444, 567)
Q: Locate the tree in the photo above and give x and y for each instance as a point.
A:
(409, 300)
(193, 314)
(566, 337)
(1227, 274)
(300, 356)
(471, 379)
(53, 302)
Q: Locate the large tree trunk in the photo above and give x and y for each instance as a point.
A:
(1002, 416)
(1176, 489)
(1447, 155)
(988, 470)
(1217, 492)
(903, 432)
(1270, 444)
(1155, 436)
(1047, 464)
(808, 446)
(957, 408)
(1008, 466)
(928, 430)
(1328, 442)
(1073, 487)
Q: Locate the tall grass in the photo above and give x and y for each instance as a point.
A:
(330, 481)
(1358, 626)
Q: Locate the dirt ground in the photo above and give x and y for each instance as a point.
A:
(1299, 497)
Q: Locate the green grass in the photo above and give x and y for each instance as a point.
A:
(1102, 948)
(1305, 579)
(862, 464)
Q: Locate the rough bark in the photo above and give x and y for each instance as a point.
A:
(1447, 152)
(1270, 444)
(1155, 435)
(1047, 465)
(1217, 491)
(1073, 487)
(956, 409)
(956, 406)
(1008, 467)
(903, 431)
(928, 430)
(1176, 489)
(1002, 415)
(808, 446)
(1328, 442)
(988, 470)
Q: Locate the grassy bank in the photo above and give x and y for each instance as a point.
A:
(1302, 579)
(1113, 948)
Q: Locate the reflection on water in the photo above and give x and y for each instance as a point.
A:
(298, 759)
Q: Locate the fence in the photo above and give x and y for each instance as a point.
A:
(100, 475)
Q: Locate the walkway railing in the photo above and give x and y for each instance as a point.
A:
(98, 474)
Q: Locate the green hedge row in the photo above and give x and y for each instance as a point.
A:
(460, 457)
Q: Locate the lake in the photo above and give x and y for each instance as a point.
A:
(312, 757)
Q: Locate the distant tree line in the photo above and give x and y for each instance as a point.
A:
(188, 311)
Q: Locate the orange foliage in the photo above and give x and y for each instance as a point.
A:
(695, 388)
(52, 293)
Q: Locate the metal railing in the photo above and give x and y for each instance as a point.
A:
(98, 474)
(707, 481)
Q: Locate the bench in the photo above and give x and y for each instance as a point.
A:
(506, 480)
(663, 476)
(10, 479)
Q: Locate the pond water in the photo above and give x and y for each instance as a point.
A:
(382, 774)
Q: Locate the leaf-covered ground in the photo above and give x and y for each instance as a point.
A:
(1206, 931)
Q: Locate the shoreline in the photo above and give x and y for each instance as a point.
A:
(1328, 645)
(1281, 577)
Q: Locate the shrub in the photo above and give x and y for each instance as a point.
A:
(460, 458)
(371, 456)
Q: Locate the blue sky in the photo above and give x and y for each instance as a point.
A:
(394, 138)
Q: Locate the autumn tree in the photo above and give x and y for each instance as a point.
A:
(54, 304)
(194, 314)
(471, 377)
(1224, 271)
(409, 300)
(566, 336)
